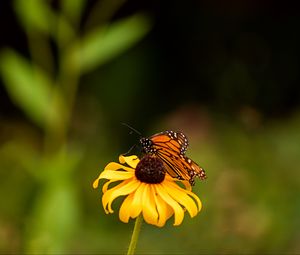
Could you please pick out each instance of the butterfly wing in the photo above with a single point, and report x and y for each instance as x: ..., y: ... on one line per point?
x: 194, y: 169
x: 171, y: 146
x: 173, y: 165
x: 170, y: 140
x: 181, y: 167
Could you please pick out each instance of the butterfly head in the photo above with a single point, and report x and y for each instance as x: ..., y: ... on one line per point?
x: 147, y: 145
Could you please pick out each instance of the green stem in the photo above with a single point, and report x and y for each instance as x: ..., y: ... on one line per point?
x: 135, y: 235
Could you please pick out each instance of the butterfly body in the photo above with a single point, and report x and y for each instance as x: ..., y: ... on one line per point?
x: 170, y: 147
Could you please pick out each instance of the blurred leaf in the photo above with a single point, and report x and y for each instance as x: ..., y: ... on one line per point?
x: 55, y: 215
x: 102, y: 45
x: 57, y: 167
x: 28, y: 86
x: 63, y: 33
x: 54, y: 219
x: 35, y: 14
x: 73, y: 8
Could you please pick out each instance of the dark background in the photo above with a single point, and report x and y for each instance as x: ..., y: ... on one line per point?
x: 221, y: 55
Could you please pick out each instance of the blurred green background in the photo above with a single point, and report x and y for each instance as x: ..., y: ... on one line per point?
x: 224, y: 73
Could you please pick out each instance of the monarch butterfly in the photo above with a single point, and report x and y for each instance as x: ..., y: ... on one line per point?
x: 170, y: 147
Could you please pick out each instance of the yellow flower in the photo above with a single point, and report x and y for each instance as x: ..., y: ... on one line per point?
x: 149, y: 191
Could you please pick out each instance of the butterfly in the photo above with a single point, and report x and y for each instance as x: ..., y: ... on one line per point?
x: 170, y: 147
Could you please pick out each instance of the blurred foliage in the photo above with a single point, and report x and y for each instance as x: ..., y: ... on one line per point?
x: 87, y: 67
x: 47, y: 97
x: 251, y: 196
x: 30, y: 89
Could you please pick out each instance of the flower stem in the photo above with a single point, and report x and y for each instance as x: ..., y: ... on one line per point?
x: 135, y: 235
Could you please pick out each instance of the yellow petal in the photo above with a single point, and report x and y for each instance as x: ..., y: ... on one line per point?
x: 122, y: 189
x: 163, y: 209
x: 178, y: 211
x: 116, y: 175
x: 124, y: 213
x: 181, y: 197
x: 105, y: 185
x: 149, y: 207
x: 116, y: 166
x: 170, y: 178
x: 169, y: 211
x: 112, y: 175
x: 187, y: 185
x: 137, y: 203
x: 196, y: 198
x: 132, y: 161
x: 96, y: 183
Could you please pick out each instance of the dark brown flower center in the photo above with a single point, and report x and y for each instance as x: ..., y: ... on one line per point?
x: 150, y: 170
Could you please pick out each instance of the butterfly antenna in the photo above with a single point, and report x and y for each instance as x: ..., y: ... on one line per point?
x: 132, y: 147
x: 132, y: 129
